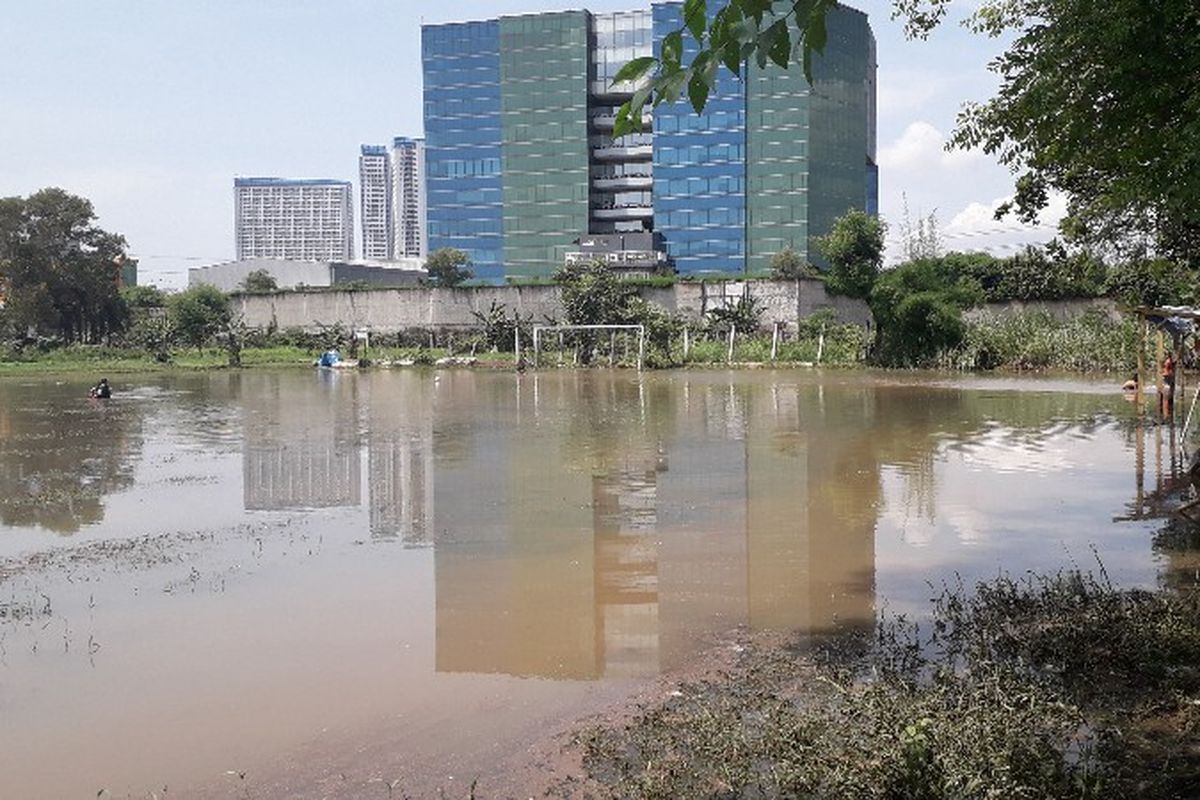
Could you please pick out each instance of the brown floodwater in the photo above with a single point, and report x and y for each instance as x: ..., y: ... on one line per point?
x: 214, y: 581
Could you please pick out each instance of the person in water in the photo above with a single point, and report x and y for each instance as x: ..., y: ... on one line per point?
x: 1130, y: 385
x: 101, y: 390
x: 1167, y: 401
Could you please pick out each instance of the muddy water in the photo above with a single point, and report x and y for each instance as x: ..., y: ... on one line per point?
x: 300, y: 584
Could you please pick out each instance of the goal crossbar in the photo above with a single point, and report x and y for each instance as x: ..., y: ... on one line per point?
x: 537, y: 337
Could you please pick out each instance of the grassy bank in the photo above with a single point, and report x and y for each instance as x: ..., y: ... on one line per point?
x: 1054, y: 687
x: 1023, y: 342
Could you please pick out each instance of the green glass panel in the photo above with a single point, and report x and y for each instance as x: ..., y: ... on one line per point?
x: 543, y: 101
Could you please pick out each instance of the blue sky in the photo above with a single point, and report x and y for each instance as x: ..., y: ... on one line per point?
x: 151, y: 108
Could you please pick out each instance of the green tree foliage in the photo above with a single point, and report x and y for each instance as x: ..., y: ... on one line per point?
x: 199, y: 314
x: 1099, y: 101
x: 1150, y: 282
x: 60, y: 273
x: 788, y: 265
x: 141, y: 297
x: 448, y: 266
x: 592, y: 294
x: 260, y: 281
x: 1035, y: 273
x: 854, y: 249
x: 918, y: 311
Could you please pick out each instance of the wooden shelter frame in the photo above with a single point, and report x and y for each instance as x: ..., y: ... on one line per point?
x: 1144, y: 314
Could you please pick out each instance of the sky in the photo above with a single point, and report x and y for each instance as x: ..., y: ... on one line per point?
x: 150, y: 109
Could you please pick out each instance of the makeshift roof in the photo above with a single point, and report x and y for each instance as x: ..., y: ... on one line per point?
x: 1179, y: 320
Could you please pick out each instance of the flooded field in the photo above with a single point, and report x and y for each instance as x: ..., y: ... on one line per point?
x: 303, y: 584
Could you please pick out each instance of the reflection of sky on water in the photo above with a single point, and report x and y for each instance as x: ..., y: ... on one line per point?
x: 1017, y: 500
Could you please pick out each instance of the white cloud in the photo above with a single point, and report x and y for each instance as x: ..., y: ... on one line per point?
x: 923, y: 147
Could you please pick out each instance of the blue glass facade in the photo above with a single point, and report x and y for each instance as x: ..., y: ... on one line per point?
x: 520, y: 160
x: 700, y: 169
x: 462, y: 142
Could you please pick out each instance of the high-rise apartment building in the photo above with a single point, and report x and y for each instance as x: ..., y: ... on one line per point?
x: 408, y: 197
x: 304, y: 220
x: 375, y: 199
x: 521, y: 162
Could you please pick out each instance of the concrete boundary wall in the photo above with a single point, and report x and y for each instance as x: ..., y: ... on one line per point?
x: 392, y: 310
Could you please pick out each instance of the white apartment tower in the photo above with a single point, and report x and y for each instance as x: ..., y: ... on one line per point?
x: 375, y: 196
x: 408, y: 197
x: 302, y: 220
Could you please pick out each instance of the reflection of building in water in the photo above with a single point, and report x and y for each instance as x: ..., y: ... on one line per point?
x: 400, y: 457
x: 567, y: 546
x: 812, y: 488
x: 303, y: 474
x: 301, y: 449
x: 400, y: 487
x: 625, y: 524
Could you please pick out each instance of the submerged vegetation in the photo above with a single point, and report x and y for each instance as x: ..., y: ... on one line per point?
x: 1049, y: 687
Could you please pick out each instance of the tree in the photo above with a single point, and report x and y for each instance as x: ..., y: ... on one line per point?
x: 1099, y: 101
x: 448, y: 266
x: 142, y: 297
x: 592, y: 294
x: 854, y: 249
x: 788, y: 265
x: 918, y: 311
x: 199, y: 313
x: 59, y: 272
x: 260, y: 281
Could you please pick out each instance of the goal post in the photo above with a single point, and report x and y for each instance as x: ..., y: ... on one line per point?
x: 639, y: 329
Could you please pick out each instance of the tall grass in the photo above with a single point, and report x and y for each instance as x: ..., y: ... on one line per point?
x: 1035, y: 341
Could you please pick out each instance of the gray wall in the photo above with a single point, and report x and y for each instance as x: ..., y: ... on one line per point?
x: 391, y: 310
x: 228, y: 277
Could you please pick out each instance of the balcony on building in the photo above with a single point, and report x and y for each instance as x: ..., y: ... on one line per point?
x: 624, y: 212
x: 629, y: 254
x: 604, y: 121
x: 617, y: 152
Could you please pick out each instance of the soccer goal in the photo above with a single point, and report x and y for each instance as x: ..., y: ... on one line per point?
x: 616, y: 346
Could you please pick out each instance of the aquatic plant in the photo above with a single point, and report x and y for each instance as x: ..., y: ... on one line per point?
x: 1047, y: 687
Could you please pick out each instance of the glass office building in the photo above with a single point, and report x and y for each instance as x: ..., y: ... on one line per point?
x: 521, y: 161
x: 462, y: 142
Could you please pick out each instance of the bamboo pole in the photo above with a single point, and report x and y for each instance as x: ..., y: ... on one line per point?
x: 1141, y: 364
x: 1158, y: 383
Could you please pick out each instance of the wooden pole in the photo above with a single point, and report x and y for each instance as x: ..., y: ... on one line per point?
x: 775, y: 341
x: 687, y: 345
x: 1158, y: 359
x: 1141, y: 364
x: 732, y: 334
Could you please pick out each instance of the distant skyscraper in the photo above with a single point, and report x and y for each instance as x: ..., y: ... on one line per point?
x: 408, y: 196
x: 305, y: 220
x: 375, y: 197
